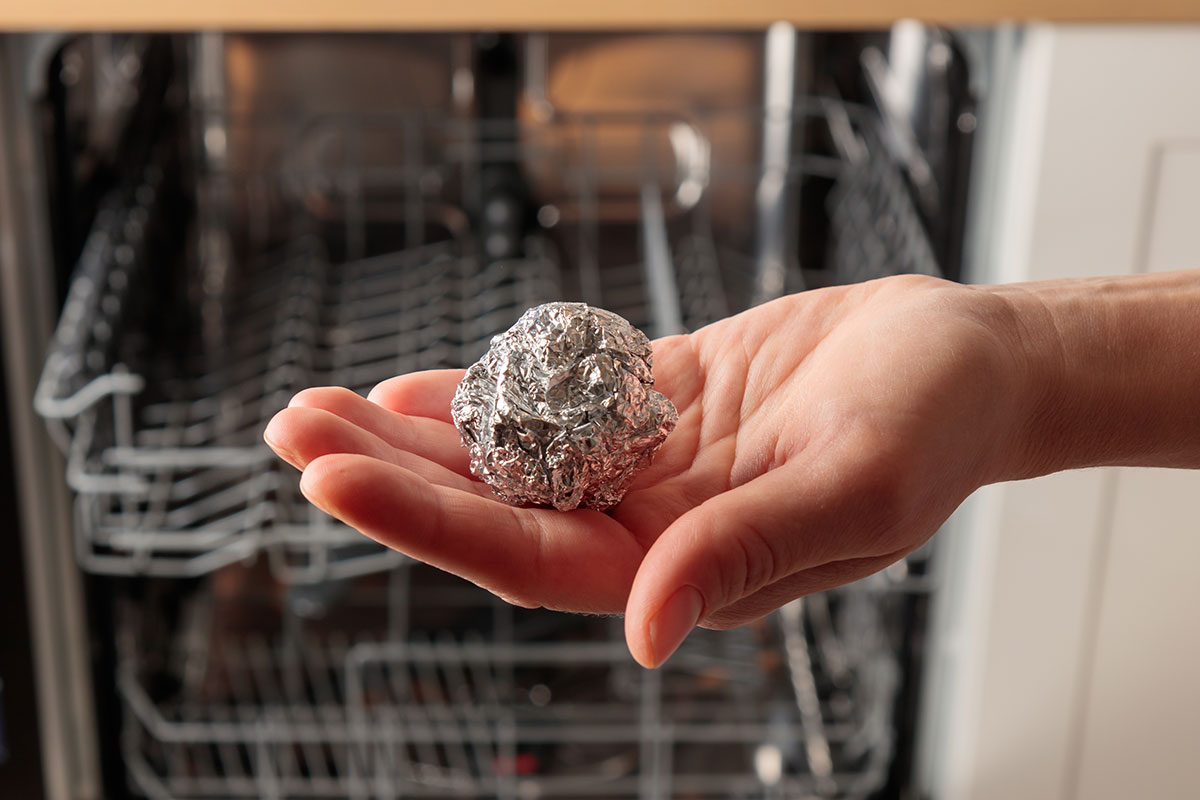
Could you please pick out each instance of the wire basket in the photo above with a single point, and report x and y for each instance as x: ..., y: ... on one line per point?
x: 482, y: 700
x: 356, y: 248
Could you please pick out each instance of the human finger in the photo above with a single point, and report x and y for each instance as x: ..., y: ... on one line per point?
x: 425, y: 436
x: 785, y: 590
x: 790, y: 519
x: 573, y: 561
x: 419, y: 394
x: 301, y: 435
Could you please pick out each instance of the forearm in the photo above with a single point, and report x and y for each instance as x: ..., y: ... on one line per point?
x: 1114, y: 371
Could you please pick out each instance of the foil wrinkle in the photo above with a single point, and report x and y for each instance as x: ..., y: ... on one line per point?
x: 561, y: 411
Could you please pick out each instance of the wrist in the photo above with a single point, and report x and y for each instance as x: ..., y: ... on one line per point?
x: 1037, y: 431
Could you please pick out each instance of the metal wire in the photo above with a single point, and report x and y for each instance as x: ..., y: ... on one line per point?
x: 487, y: 711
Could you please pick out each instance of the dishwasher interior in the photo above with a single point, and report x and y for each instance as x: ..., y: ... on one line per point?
x: 271, y: 212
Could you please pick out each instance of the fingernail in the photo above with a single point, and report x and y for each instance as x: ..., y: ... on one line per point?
x: 283, y: 452
x: 307, y: 496
x: 673, y: 622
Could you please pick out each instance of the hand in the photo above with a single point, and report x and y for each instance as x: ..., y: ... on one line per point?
x: 821, y: 437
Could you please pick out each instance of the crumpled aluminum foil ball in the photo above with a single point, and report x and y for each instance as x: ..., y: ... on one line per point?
x: 561, y: 411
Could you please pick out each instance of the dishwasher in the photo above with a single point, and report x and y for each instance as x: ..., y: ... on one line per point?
x: 231, y: 218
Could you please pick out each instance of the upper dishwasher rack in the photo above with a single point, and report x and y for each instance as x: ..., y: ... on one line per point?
x: 351, y: 250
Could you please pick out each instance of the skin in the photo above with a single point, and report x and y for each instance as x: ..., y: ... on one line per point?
x: 821, y: 437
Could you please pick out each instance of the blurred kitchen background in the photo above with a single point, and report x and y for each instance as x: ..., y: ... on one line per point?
x: 195, y: 225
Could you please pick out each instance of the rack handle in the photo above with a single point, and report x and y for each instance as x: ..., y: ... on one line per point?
x: 105, y: 262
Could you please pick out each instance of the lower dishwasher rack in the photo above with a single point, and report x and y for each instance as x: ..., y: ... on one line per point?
x: 439, y: 690
x: 288, y: 283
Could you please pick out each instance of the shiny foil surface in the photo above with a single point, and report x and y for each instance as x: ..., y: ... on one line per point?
x: 561, y: 411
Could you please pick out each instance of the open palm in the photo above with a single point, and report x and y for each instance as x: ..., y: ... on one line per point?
x: 820, y: 438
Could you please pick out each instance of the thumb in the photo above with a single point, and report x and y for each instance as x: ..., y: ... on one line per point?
x: 735, y: 544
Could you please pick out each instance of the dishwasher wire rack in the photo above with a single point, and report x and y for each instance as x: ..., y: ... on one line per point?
x: 161, y: 418
x: 799, y: 707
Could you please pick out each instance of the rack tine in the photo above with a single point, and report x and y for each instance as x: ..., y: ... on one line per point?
x: 298, y: 706
x: 829, y: 646
x: 771, y: 198
x: 231, y: 754
x: 816, y: 743
x: 666, y: 317
x: 437, y: 711
x: 400, y: 699
x: 465, y: 702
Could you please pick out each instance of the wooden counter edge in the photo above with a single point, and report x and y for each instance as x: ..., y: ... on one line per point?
x: 561, y: 14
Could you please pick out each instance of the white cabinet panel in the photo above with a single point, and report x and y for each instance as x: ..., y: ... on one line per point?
x: 1173, y: 229
x: 1066, y: 663
x: 1117, y: 97
x: 1036, y: 637
x: 1141, y: 720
